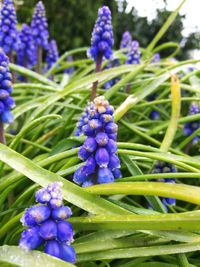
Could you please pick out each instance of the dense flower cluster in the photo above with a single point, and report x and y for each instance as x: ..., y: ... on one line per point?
x: 26, y: 54
x: 126, y: 40
x: 9, y: 39
x: 52, y: 54
x: 156, y: 58
x: 100, y: 148
x: 113, y: 63
x: 192, y: 126
x: 165, y: 167
x: 133, y: 56
x: 102, y: 36
x: 39, y: 26
x: 6, y: 101
x: 47, y: 224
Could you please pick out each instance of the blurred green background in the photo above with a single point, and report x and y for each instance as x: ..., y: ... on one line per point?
x: 71, y: 23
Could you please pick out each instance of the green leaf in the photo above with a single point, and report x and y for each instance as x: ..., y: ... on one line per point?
x: 131, y: 165
x: 71, y: 192
x: 21, y: 258
x: 165, y: 27
x: 181, y: 221
x: 139, y: 252
x: 63, y: 145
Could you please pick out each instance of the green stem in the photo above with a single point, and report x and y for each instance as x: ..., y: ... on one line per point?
x: 2, y: 134
x: 155, y: 176
x: 95, y: 84
x: 182, y: 260
x: 183, y: 192
x: 39, y: 60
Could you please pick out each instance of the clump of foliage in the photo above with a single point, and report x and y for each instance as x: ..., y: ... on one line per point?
x: 149, y: 215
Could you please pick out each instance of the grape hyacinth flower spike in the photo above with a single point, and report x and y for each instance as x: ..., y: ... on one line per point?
x: 133, y: 56
x: 165, y: 167
x: 99, y: 150
x: 9, y: 36
x: 26, y: 54
x: 6, y: 101
x: 47, y: 224
x: 52, y: 54
x: 102, y: 41
x: 156, y: 58
x: 40, y: 32
x: 71, y: 69
x: 126, y: 41
x: 192, y: 126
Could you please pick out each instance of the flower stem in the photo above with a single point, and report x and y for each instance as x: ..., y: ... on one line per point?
x: 11, y: 59
x: 98, y: 68
x: 39, y: 60
x: 2, y: 135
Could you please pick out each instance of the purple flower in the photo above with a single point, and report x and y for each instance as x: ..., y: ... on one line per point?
x: 102, y: 36
x: 52, y: 54
x: 47, y: 224
x: 156, y: 58
x: 61, y: 213
x: 126, y: 40
x: 30, y: 238
x: 35, y: 215
x: 59, y: 250
x: 154, y: 115
x: 6, y: 101
x: 165, y: 167
x: 191, y: 126
x: 9, y: 37
x: 102, y: 165
x: 48, y: 230
x: 65, y: 232
x: 133, y: 55
x: 39, y: 26
x: 26, y: 53
x: 71, y: 69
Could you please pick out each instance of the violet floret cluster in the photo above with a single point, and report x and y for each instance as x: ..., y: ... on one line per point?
x: 27, y: 53
x: 9, y: 36
x: 102, y: 39
x: 39, y: 26
x: 6, y: 101
x: 165, y: 167
x: 191, y: 126
x: 126, y: 40
x: 99, y: 150
x: 52, y: 54
x: 133, y: 56
x: 47, y: 224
